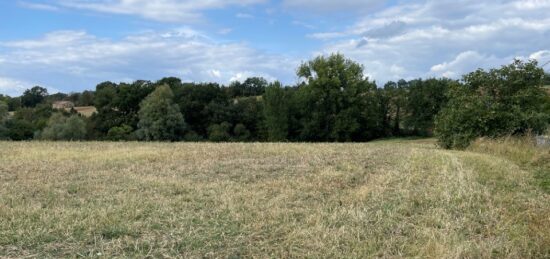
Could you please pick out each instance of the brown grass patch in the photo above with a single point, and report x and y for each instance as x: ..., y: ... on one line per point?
x: 382, y: 199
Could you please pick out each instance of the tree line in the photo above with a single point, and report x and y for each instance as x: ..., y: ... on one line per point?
x: 334, y: 102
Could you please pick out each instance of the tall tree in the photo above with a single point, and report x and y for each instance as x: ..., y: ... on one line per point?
x: 425, y: 99
x: 34, y: 96
x: 333, y: 98
x: 276, y: 115
x: 159, y: 117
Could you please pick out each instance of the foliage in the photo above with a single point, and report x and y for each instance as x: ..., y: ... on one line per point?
x: 34, y: 96
x: 334, y: 99
x: 61, y: 127
x: 38, y: 116
x: 19, y: 129
x: 241, y: 133
x: 119, y: 133
x: 425, y: 99
x: 276, y: 112
x: 219, y: 132
x: 254, y: 86
x: 494, y: 103
x: 159, y: 117
x: 3, y: 119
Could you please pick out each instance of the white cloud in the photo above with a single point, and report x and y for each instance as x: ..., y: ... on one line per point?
x: 38, y: 6
x: 159, y: 10
x: 443, y: 37
x: 15, y: 87
x: 325, y: 6
x: 542, y: 56
x: 244, y: 16
x: 464, y: 62
x: 74, y: 60
x: 215, y: 73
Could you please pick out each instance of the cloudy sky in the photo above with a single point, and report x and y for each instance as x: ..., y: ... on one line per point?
x: 71, y: 45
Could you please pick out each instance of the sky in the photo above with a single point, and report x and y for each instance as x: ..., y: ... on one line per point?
x: 72, y: 45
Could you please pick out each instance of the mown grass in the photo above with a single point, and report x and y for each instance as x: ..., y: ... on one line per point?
x: 397, y: 198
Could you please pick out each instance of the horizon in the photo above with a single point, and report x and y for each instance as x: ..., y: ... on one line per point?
x: 72, y: 45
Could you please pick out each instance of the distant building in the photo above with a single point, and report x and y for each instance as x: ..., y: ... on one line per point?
x: 63, y: 105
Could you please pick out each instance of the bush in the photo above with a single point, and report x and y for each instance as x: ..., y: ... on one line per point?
x: 219, y: 132
x: 19, y: 129
x: 119, y: 133
x: 241, y: 133
x: 192, y: 137
x: 64, y: 128
x: 505, y: 101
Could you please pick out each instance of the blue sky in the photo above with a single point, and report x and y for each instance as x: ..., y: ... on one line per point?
x: 71, y: 45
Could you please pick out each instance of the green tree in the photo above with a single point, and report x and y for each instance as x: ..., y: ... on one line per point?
x: 3, y: 111
x: 37, y: 117
x: 19, y: 129
x: 14, y: 103
x: 241, y: 133
x: 396, y: 97
x: 159, y: 117
x: 3, y: 119
x: 34, y: 96
x: 276, y: 112
x: 219, y: 132
x: 509, y: 100
x: 425, y: 99
x: 202, y: 106
x: 334, y: 99
x: 85, y: 99
x: 61, y: 127
x: 119, y: 133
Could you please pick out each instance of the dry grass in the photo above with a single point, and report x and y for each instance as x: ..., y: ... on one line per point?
x: 86, y: 111
x: 383, y: 199
x: 523, y: 152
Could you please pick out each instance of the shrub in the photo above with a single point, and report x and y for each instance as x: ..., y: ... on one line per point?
x: 19, y: 129
x: 505, y: 101
x: 64, y: 128
x: 219, y: 132
x: 241, y: 133
x: 123, y: 132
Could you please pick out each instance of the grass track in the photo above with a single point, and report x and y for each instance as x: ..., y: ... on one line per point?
x: 396, y: 198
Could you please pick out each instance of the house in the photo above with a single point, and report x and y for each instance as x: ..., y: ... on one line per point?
x: 63, y: 105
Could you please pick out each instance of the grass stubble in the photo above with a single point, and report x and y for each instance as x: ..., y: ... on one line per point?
x: 381, y: 199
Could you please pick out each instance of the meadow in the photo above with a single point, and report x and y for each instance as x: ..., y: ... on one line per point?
x: 393, y: 198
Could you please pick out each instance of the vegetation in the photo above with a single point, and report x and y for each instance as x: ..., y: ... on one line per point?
x: 159, y: 117
x: 523, y: 152
x: 495, y: 103
x: 334, y: 102
x: 381, y: 199
x: 61, y: 127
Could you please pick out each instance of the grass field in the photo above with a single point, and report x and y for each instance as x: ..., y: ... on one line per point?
x: 398, y: 198
x: 86, y: 111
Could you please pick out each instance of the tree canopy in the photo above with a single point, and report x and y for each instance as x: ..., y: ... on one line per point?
x: 332, y: 102
x: 159, y: 117
x: 493, y: 103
